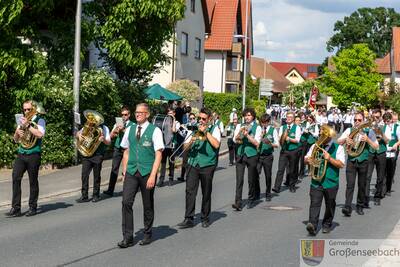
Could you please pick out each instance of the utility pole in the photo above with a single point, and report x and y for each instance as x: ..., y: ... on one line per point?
x: 245, y: 56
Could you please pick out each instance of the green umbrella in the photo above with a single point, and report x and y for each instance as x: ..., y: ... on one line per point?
x: 158, y: 92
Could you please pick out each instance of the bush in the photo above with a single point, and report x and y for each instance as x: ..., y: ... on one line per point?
x: 259, y: 106
x: 223, y: 103
x: 188, y: 90
x: 7, y: 149
x: 394, y: 102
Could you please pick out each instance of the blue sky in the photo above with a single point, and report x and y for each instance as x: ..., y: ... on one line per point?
x: 297, y: 30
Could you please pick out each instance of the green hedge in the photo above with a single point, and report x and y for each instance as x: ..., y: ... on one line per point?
x: 7, y: 149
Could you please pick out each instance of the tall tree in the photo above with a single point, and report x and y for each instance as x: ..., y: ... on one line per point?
x: 353, y: 77
x: 372, y: 26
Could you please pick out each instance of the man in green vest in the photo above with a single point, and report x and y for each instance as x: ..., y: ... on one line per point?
x: 289, y: 135
x: 230, y: 130
x: 392, y: 131
x: 357, y: 166
x: 118, y: 132
x: 327, y: 187
x: 377, y: 158
x: 247, y: 137
x: 269, y: 141
x: 143, y: 144
x: 95, y: 163
x: 202, y: 162
x: 28, y: 159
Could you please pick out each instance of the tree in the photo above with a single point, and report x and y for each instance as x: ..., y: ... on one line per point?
x: 132, y: 34
x: 252, y: 87
x: 372, y: 26
x: 354, y: 77
x: 188, y: 90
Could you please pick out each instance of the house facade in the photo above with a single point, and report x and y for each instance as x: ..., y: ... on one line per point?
x: 297, y: 73
x: 224, y: 46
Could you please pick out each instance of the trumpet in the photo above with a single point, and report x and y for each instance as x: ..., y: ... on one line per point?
x: 240, y: 136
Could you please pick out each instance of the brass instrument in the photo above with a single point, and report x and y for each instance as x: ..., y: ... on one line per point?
x: 355, y: 149
x: 284, y: 135
x: 28, y: 140
x: 377, y: 130
x: 91, y: 133
x: 240, y: 136
x: 317, y: 162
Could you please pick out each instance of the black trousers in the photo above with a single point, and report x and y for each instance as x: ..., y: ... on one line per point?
x: 116, y: 163
x: 241, y: 163
x: 22, y: 163
x: 185, y: 157
x: 304, y: 150
x: 166, y: 155
x: 346, y: 125
x: 132, y: 184
x: 195, y: 176
x: 286, y: 158
x: 232, y: 150
x: 88, y: 164
x: 390, y: 171
x: 354, y: 169
x: 265, y: 162
x: 377, y: 161
x: 316, y: 196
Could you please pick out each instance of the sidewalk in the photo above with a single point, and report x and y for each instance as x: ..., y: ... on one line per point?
x: 62, y: 182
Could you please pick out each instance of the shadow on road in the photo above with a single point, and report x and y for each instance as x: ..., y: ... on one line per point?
x: 53, y: 206
x: 159, y: 232
x: 334, y: 225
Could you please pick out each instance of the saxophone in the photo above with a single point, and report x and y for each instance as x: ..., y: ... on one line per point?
x: 91, y: 133
x: 28, y: 140
x: 355, y: 149
x: 317, y: 162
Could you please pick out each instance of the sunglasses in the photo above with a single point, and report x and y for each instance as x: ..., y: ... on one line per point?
x: 140, y: 112
x: 358, y: 120
x: 202, y: 118
x: 125, y: 114
x: 27, y: 109
x: 192, y: 118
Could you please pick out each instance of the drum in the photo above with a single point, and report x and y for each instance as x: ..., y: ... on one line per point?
x: 165, y: 122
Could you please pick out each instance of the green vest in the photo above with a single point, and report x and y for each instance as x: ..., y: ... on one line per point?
x: 141, y: 153
x: 118, y: 140
x: 364, y: 154
x: 203, y: 153
x: 304, y: 136
x: 292, y: 134
x: 393, y: 137
x: 382, y: 146
x: 37, y: 147
x: 246, y: 147
x: 331, y: 178
x: 266, y: 149
x: 311, y: 139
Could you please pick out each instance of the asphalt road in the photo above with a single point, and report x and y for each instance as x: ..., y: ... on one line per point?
x: 69, y: 234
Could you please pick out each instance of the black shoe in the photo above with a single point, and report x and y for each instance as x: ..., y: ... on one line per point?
x: 292, y: 189
x: 145, y: 241
x: 96, y: 198
x: 388, y: 194
x: 326, y: 229
x: 366, y: 206
x: 377, y: 201
x: 31, y: 212
x: 205, y: 224
x: 14, y: 212
x: 276, y: 190
x: 286, y: 183
x: 251, y: 204
x: 360, y: 211
x: 108, y: 193
x: 181, y: 179
x: 311, y: 229
x: 230, y: 164
x: 346, y: 212
x: 268, y: 198
x: 82, y: 200
x: 237, y: 207
x: 125, y: 243
x: 160, y: 183
x: 187, y: 223
x: 170, y: 182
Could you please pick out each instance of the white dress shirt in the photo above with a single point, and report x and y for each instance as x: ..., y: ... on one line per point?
x: 41, y: 124
x: 216, y: 133
x: 340, y: 155
x: 157, y: 138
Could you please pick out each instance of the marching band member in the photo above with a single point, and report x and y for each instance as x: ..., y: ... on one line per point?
x: 326, y: 188
x: 218, y: 122
x: 269, y: 141
x: 202, y: 161
x: 357, y: 166
x: 117, y: 132
x: 189, y: 127
x: 298, y: 121
x: 230, y: 130
x: 289, y: 135
x: 247, y: 137
x: 311, y: 133
x: 93, y: 162
x: 143, y: 143
x: 392, y: 131
x: 377, y: 158
x: 168, y: 151
x: 28, y: 159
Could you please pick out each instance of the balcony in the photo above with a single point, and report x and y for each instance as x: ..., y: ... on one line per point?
x: 233, y: 76
x: 237, y: 48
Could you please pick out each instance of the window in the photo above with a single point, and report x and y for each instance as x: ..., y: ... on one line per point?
x: 184, y: 43
x: 193, y: 6
x: 313, y: 69
x: 197, y: 48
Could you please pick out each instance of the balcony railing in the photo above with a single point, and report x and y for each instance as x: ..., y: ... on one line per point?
x: 233, y: 76
x: 237, y: 48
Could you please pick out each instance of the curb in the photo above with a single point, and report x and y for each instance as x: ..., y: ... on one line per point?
x: 7, y: 204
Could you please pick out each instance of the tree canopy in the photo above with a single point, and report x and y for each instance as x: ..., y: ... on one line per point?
x: 353, y: 77
x: 372, y: 26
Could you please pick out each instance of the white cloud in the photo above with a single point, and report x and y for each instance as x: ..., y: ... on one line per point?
x: 259, y: 29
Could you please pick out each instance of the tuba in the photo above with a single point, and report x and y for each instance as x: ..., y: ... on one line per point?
x: 91, y: 132
x: 317, y: 162
x: 28, y: 140
x: 357, y: 147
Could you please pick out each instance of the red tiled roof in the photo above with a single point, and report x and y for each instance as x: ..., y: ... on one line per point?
x: 210, y: 8
x: 383, y: 64
x: 257, y: 70
x: 396, y: 47
x: 302, y: 68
